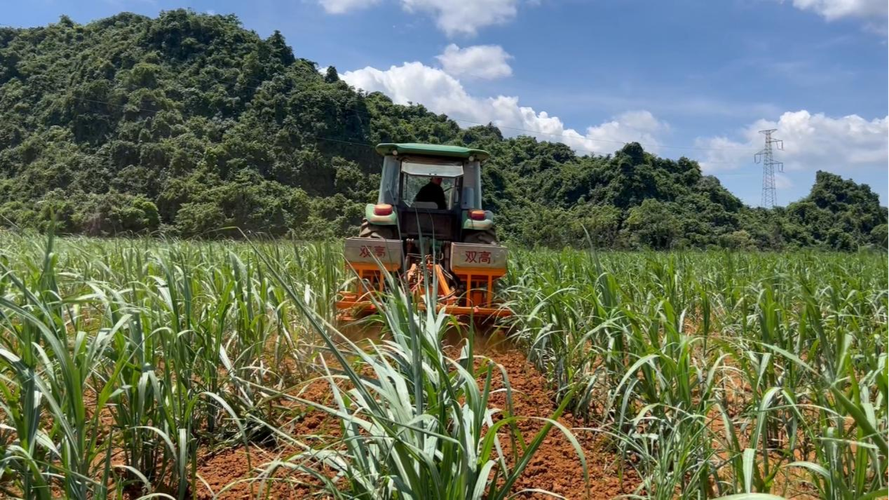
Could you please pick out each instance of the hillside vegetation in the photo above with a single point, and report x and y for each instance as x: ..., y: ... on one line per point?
x: 189, y: 123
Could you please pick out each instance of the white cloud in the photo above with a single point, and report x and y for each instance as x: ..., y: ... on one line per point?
x: 782, y: 181
x: 442, y: 93
x: 837, y: 9
x: 343, y: 6
x: 873, y: 12
x: 451, y: 16
x: 465, y: 16
x: 811, y: 142
x: 487, y: 62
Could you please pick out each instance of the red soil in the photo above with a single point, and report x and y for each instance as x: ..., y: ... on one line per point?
x: 555, y: 467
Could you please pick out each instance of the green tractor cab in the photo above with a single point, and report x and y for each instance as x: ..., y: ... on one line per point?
x: 407, y: 169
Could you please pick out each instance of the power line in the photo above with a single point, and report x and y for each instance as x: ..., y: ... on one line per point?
x: 769, y: 197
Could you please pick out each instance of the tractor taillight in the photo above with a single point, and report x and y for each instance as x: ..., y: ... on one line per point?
x: 477, y: 214
x: 383, y: 209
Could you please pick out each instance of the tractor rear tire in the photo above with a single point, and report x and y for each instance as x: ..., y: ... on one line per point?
x: 485, y: 237
x: 374, y: 231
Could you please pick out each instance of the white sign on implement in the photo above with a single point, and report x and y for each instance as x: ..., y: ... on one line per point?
x: 372, y: 250
x: 469, y: 255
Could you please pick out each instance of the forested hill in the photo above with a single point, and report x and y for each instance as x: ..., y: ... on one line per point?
x: 188, y: 123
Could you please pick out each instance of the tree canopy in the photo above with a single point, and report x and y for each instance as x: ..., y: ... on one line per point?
x: 188, y: 124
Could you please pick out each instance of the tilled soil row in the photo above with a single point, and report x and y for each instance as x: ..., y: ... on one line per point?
x: 555, y: 467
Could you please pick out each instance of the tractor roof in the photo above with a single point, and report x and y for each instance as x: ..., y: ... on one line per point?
x: 410, y: 148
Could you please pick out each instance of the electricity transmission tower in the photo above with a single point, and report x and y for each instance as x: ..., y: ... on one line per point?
x: 769, y: 199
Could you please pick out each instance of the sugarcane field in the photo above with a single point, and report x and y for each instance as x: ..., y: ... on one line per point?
x: 508, y: 250
x: 219, y: 370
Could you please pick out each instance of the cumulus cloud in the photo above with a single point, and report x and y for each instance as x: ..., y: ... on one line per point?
x: 811, y: 142
x: 487, y: 62
x: 873, y: 12
x: 465, y: 16
x: 837, y: 9
x: 782, y: 181
x: 343, y: 6
x: 417, y: 83
x: 451, y: 16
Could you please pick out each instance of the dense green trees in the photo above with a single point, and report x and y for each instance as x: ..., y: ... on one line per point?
x: 190, y: 125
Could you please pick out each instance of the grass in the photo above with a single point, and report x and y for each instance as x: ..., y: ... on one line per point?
x: 710, y: 374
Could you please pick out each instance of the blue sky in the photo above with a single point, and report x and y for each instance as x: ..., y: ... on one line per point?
x: 685, y: 78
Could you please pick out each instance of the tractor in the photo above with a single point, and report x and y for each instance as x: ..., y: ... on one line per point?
x: 428, y: 229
